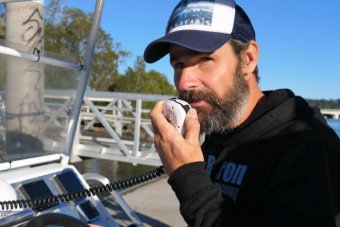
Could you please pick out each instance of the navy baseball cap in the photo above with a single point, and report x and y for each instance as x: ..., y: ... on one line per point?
x: 203, y: 26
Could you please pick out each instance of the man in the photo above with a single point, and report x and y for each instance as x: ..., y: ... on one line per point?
x: 268, y: 159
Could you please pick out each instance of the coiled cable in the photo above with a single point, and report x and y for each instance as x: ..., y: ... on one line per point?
x: 37, y: 203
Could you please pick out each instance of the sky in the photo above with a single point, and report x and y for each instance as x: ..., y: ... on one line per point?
x: 299, y: 40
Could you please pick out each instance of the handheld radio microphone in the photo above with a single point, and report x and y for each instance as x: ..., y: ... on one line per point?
x: 175, y: 111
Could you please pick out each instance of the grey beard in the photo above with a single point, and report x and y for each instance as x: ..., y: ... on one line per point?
x: 224, y: 114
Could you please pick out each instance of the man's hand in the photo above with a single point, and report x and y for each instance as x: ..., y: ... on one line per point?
x: 174, y: 149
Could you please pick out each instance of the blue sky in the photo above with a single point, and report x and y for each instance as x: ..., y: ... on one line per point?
x: 299, y: 40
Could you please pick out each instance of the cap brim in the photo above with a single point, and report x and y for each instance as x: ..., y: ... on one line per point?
x: 195, y: 40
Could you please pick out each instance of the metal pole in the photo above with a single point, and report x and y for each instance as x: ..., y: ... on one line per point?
x: 84, y: 78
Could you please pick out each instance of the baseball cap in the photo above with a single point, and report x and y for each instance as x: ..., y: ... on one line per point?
x: 203, y: 26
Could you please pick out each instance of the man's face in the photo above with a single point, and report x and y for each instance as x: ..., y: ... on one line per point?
x: 213, y: 84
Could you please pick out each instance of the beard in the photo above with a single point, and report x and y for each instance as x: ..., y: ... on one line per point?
x: 221, y: 114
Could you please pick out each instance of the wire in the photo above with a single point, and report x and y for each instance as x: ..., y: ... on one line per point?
x: 38, y: 203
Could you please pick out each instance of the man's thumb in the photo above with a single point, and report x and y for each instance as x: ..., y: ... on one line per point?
x: 192, y: 125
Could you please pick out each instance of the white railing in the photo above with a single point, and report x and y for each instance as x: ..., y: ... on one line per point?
x: 116, y: 126
x: 113, y: 126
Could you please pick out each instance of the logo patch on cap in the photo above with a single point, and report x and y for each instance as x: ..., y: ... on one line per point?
x: 208, y: 15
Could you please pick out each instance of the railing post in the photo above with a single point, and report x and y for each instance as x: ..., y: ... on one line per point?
x: 138, y: 118
x: 107, y: 126
x: 118, y: 122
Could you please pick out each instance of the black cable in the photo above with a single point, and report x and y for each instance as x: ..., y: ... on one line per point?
x: 37, y: 203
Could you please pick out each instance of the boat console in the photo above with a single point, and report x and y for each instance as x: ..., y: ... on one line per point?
x: 42, y: 182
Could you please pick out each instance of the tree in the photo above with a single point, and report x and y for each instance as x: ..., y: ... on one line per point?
x: 325, y: 104
x: 139, y: 81
x: 2, y: 21
x: 66, y: 32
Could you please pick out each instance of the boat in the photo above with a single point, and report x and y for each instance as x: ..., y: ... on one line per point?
x: 38, y: 120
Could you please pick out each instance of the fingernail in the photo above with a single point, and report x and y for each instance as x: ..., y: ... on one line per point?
x: 192, y: 113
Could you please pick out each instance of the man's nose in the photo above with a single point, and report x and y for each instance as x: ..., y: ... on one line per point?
x: 188, y: 79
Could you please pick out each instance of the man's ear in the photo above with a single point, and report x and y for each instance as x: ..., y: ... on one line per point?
x: 250, y: 58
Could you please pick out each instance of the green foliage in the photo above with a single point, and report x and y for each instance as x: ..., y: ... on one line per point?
x: 137, y: 80
x: 65, y: 33
x: 2, y: 21
x: 325, y: 104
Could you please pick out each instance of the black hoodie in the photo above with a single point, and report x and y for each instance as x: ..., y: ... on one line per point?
x: 281, y: 167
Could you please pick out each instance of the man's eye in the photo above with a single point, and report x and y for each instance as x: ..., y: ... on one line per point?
x: 178, y: 65
x: 206, y: 59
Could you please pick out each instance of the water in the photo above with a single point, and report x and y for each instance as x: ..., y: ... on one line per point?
x: 335, y: 124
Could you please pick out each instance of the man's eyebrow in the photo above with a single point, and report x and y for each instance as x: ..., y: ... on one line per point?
x: 187, y: 53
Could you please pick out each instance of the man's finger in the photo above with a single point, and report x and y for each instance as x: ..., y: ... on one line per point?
x: 192, y: 125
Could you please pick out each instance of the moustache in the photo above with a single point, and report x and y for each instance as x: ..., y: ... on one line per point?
x: 194, y: 96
